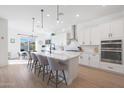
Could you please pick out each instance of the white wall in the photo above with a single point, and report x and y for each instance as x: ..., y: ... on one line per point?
x: 60, y: 39
x: 13, y: 48
x: 3, y: 42
x: 40, y: 40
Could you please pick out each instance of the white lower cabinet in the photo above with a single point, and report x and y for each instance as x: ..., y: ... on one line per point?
x: 84, y: 59
x: 94, y: 61
x: 89, y: 60
x: 112, y: 67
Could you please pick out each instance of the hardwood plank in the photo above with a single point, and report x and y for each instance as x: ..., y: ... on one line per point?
x: 15, y: 76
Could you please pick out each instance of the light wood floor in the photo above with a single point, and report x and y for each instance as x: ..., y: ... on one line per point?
x: 19, y: 76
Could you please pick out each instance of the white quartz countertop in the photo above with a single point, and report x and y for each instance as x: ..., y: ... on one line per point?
x: 61, y: 55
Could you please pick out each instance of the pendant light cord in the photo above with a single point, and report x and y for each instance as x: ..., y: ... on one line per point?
x: 57, y: 12
x: 33, y: 19
x: 42, y: 17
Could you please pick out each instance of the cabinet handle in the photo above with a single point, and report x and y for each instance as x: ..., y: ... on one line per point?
x: 90, y: 42
x: 81, y: 57
x: 111, y: 34
x: 89, y: 58
x: 110, y: 67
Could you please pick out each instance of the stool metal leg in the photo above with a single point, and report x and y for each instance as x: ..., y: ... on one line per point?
x: 49, y: 77
x: 32, y: 65
x: 28, y: 63
x: 43, y: 72
x: 39, y: 70
x: 56, y: 78
x: 35, y: 66
x: 64, y: 77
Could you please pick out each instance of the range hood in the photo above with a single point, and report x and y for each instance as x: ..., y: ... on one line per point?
x: 74, y: 45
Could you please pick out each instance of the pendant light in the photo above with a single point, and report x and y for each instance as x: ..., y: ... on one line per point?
x: 42, y: 24
x: 33, y: 19
x: 57, y: 13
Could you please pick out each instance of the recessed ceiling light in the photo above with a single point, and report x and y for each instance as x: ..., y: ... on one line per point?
x: 57, y: 21
x: 77, y: 15
x: 48, y: 14
x: 61, y: 21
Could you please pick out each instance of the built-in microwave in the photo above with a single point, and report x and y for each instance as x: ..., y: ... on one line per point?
x: 111, y: 51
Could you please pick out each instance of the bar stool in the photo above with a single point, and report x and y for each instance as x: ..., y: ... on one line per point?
x: 35, y: 64
x: 56, y: 66
x: 29, y: 60
x: 43, y: 65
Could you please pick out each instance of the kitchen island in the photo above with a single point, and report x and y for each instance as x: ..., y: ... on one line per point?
x: 70, y: 59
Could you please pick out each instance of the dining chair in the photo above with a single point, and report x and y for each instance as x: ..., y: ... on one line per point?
x: 56, y: 66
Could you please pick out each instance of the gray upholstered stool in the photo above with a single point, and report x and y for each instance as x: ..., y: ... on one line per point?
x: 29, y: 59
x: 56, y: 66
x: 35, y: 63
x: 43, y: 64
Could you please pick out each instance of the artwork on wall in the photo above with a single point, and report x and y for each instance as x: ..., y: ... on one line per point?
x: 12, y: 40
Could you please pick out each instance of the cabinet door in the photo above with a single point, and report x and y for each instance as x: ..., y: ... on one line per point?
x: 95, y: 36
x: 80, y: 34
x: 80, y: 37
x: 104, y: 31
x: 117, y: 28
x: 86, y: 35
x: 94, y: 60
x: 84, y: 59
x: 112, y: 67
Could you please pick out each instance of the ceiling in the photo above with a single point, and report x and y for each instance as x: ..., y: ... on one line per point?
x: 20, y: 16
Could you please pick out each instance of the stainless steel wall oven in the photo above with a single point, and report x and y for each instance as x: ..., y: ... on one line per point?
x: 111, y: 51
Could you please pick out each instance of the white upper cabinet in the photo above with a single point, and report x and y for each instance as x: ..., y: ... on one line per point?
x: 86, y: 36
x: 114, y: 29
x: 105, y: 30
x: 117, y: 28
x: 95, y: 36
x: 80, y: 37
x: 89, y: 36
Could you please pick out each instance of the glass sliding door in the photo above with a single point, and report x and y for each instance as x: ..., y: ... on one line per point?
x: 27, y: 44
x: 31, y: 44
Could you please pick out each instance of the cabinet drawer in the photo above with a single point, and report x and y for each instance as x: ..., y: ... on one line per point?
x: 112, y: 67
